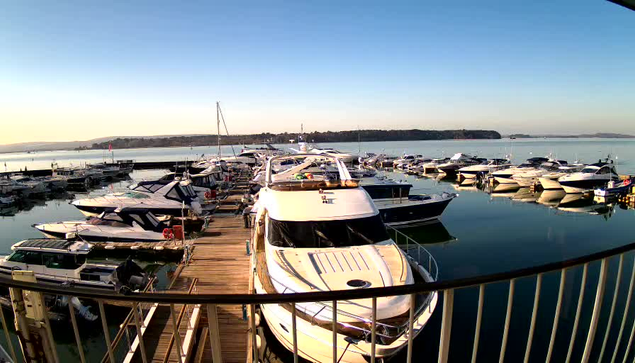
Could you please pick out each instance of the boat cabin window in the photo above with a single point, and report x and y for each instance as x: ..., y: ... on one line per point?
x: 589, y: 170
x: 173, y: 194
x: 321, y: 234
x: 51, y: 260
x: 149, y: 187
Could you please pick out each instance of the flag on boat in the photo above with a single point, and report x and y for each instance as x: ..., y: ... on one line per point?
x: 109, y: 147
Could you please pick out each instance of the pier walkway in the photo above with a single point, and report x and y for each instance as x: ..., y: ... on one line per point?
x: 219, y: 265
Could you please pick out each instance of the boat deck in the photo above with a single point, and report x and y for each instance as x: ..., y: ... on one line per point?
x: 220, y: 265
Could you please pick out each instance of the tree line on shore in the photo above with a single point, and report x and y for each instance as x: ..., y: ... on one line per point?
x: 283, y: 138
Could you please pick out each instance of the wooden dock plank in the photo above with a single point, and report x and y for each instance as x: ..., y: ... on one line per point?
x: 221, y: 265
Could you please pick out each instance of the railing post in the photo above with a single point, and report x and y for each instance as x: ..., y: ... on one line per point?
x: 585, y: 271
x: 508, y: 317
x: 142, y: 347
x: 78, y: 339
x: 597, y: 307
x: 613, y: 303
x: 556, y: 319
x: 334, y: 328
x: 8, y: 337
x: 254, y: 340
x: 446, y: 325
x: 294, y: 332
x: 479, y: 318
x: 411, y: 318
x: 373, y: 329
x: 104, y: 325
x: 214, y: 334
x: 177, y: 334
x: 625, y: 314
x: 534, y: 314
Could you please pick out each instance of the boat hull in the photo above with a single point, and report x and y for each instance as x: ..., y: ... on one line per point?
x: 550, y: 184
x: 395, y: 213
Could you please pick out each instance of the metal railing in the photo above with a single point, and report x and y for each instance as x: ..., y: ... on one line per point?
x: 616, y: 341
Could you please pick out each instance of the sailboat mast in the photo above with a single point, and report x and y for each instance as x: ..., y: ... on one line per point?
x: 218, y: 126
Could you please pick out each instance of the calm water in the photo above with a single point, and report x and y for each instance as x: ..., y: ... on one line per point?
x: 480, y: 233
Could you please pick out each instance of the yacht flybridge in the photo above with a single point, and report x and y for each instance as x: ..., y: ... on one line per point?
x: 170, y: 199
x: 317, y: 230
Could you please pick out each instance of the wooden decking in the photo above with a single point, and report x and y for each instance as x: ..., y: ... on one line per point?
x: 220, y: 265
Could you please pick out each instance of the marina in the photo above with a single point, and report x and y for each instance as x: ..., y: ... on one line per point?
x: 217, y: 257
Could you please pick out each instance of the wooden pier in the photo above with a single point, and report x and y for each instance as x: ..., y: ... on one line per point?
x: 219, y: 265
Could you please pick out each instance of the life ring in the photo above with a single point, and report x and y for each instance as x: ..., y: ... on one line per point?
x: 168, y: 233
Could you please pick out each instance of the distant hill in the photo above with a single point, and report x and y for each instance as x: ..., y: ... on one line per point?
x: 598, y: 135
x: 283, y: 138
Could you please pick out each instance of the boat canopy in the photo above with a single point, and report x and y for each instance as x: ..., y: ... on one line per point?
x: 309, y: 205
x: 52, y: 245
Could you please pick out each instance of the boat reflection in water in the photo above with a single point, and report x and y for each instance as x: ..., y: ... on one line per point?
x: 578, y: 203
x: 525, y: 195
x: 429, y: 233
x: 551, y: 198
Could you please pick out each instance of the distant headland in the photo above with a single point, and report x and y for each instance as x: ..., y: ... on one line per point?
x: 597, y: 135
x: 284, y: 138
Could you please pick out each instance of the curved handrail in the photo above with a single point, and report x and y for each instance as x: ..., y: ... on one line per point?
x: 229, y: 299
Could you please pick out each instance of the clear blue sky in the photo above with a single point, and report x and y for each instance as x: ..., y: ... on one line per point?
x: 72, y: 70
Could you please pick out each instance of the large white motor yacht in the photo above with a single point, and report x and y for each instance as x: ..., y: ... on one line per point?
x: 171, y: 199
x: 322, y: 232
x: 591, y: 177
x: 484, y: 168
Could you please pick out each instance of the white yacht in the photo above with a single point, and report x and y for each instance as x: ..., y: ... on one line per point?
x: 504, y: 176
x: 591, y: 177
x: 64, y: 262
x: 484, y: 168
x: 549, y: 181
x: 431, y: 167
x: 322, y: 232
x: 161, y: 199
x: 345, y: 157
x: 121, y: 225
x: 456, y: 162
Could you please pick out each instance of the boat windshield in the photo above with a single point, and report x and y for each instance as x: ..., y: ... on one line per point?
x: 589, y: 170
x: 321, y: 234
x: 134, y: 195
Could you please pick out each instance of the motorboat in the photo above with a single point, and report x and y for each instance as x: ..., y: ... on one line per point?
x: 29, y: 186
x: 482, y: 169
x: 532, y: 177
x: 591, y: 177
x: 431, y: 167
x: 121, y: 225
x: 457, y: 162
x: 172, y: 199
x: 307, y: 221
x: 63, y: 262
x: 398, y: 207
x: 345, y: 157
x: 405, y: 160
x: 549, y: 181
x: 614, y: 189
x: 504, y: 176
x: 80, y: 178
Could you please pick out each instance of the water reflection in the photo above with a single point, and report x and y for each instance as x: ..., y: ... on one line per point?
x: 430, y: 233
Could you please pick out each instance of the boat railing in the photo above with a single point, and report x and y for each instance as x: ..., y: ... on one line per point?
x: 413, y: 249
x: 367, y: 332
x: 600, y: 330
